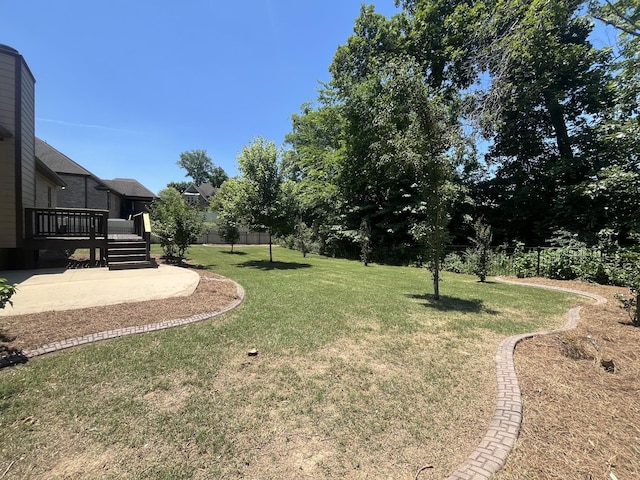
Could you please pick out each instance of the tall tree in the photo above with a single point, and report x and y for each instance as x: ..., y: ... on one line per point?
x: 201, y: 169
x: 546, y: 90
x: 387, y: 87
x: 312, y: 161
x: 621, y: 14
x: 610, y: 197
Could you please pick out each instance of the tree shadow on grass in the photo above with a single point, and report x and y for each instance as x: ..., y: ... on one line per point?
x: 266, y: 265
x: 235, y: 252
x: 188, y: 264
x: 453, y: 304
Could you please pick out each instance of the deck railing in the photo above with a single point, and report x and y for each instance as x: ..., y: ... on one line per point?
x: 66, y: 223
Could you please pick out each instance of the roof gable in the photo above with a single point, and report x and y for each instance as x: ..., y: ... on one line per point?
x: 206, y: 190
x: 129, y: 187
x: 58, y: 161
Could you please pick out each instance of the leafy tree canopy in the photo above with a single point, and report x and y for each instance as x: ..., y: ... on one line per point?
x: 201, y: 169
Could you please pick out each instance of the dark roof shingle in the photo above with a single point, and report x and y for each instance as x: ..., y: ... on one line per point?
x: 129, y: 187
x: 58, y: 161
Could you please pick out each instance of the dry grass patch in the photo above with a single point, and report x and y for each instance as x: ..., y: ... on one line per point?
x: 370, y: 406
x: 580, y: 420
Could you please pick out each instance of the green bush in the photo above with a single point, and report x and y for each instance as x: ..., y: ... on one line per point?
x: 6, y: 292
x: 177, y: 224
x: 454, y: 262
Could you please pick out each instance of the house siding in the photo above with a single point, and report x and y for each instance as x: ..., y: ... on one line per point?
x: 115, y: 205
x: 43, y: 187
x: 27, y: 129
x: 7, y: 152
x: 96, y: 198
x: 81, y: 192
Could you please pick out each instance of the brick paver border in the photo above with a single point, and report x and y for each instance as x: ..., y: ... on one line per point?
x: 121, y: 332
x: 491, y: 454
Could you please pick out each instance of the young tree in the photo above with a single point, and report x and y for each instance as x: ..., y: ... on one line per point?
x: 229, y: 203
x: 268, y: 203
x: 201, y: 169
x: 482, y: 245
x: 229, y: 231
x: 303, y: 237
x: 176, y: 223
x: 364, y: 239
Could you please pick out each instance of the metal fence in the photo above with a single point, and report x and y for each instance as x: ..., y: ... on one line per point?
x: 531, y: 261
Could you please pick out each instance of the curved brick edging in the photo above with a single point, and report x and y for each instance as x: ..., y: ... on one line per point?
x: 491, y: 454
x: 121, y: 332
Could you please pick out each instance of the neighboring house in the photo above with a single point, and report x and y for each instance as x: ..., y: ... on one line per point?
x: 83, y: 189
x: 47, y: 200
x: 199, y: 195
x: 123, y: 197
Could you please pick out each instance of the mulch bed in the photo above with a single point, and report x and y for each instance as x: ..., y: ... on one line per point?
x: 19, y: 332
x: 580, y: 396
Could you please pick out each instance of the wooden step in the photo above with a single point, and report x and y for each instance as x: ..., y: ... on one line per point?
x: 128, y: 254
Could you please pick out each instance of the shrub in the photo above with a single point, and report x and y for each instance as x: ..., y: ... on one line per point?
x: 453, y: 262
x: 177, y: 224
x: 303, y: 238
x: 6, y: 292
x: 482, y: 249
x: 523, y: 262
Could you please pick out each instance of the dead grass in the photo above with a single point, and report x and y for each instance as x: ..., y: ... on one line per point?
x: 580, y: 420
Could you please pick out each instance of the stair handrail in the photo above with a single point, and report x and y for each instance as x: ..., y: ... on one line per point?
x: 142, y: 225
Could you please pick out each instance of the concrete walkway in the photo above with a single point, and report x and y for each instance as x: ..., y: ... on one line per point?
x: 60, y: 289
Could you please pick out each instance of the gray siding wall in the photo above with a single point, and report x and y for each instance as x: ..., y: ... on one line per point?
x: 96, y: 198
x: 7, y: 153
x: 43, y: 186
x: 28, y: 139
x: 81, y: 193
x: 116, y: 203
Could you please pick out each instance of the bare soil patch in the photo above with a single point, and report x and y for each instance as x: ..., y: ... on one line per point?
x: 19, y: 332
x: 581, y: 416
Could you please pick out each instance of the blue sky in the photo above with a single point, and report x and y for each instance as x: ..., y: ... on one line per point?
x: 124, y: 86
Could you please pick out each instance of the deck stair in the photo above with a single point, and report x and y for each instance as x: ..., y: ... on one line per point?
x: 128, y: 252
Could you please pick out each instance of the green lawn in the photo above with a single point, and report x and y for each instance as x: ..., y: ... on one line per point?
x: 359, y: 375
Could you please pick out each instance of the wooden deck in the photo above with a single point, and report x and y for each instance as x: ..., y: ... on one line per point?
x: 70, y: 229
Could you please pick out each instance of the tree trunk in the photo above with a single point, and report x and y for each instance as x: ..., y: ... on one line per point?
x: 270, y: 249
x: 556, y: 112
